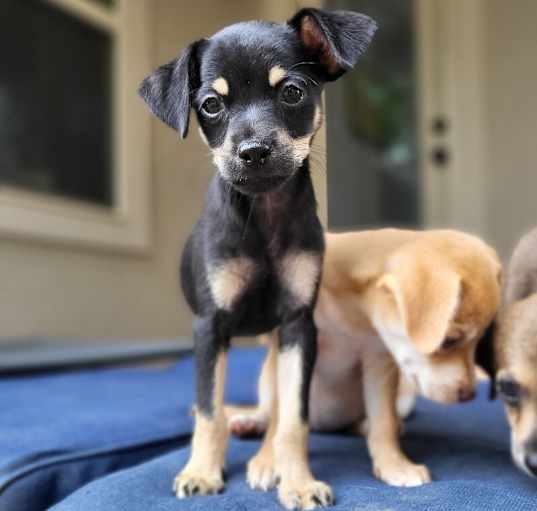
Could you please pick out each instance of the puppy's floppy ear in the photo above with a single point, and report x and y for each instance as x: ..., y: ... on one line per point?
x: 427, y: 297
x: 485, y: 358
x: 335, y: 39
x: 169, y: 88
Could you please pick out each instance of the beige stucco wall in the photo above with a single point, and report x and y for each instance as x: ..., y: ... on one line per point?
x: 511, y: 120
x: 63, y: 291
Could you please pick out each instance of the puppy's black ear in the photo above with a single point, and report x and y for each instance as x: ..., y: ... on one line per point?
x: 335, y: 39
x: 485, y: 358
x: 169, y: 88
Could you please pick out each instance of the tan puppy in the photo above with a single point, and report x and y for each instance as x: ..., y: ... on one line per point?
x: 512, y: 359
x: 390, y: 301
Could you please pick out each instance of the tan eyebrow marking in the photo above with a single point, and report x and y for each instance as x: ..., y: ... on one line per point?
x: 276, y: 75
x: 221, y: 86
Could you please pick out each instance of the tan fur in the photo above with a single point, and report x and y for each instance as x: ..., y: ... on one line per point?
x: 221, y: 86
x: 209, y: 443
x: 376, y: 286
x: 220, y: 154
x: 300, y: 272
x: 380, y: 389
x: 302, y: 146
x: 228, y: 280
x: 427, y: 298
x: 283, y: 454
x: 522, y: 275
x: 516, y: 358
x: 276, y: 75
x: 297, y: 488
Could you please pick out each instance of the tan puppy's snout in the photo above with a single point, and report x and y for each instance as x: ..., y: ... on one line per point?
x: 447, y: 381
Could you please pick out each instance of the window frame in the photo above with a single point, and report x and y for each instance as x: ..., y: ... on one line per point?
x: 126, y: 225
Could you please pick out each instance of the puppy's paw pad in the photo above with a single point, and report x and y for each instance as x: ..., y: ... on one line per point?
x: 311, y: 495
x: 188, y: 485
x: 245, y: 426
x: 261, y: 474
x: 403, y: 474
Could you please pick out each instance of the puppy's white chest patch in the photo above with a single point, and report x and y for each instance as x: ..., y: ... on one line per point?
x: 299, y: 273
x: 228, y: 280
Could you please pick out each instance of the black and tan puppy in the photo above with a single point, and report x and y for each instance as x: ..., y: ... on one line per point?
x: 510, y: 355
x: 253, y: 261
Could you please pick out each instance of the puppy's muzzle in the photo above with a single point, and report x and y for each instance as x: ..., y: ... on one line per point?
x: 254, y: 154
x: 262, y: 165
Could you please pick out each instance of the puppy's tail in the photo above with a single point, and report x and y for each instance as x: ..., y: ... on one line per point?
x: 522, y: 273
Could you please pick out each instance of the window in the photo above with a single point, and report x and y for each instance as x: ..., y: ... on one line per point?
x: 74, y: 141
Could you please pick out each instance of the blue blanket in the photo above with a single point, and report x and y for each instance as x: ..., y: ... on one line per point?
x: 466, y: 447
x: 59, y: 432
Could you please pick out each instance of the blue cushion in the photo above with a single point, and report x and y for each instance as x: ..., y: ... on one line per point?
x: 465, y: 446
x: 60, y: 431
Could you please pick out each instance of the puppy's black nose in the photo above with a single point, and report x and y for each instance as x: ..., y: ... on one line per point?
x: 466, y: 394
x: 531, y: 462
x: 254, y: 153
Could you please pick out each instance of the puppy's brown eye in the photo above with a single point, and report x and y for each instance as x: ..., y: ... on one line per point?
x: 509, y: 391
x: 292, y: 95
x: 212, y: 106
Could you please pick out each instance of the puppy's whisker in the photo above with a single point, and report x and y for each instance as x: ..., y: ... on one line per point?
x: 304, y: 63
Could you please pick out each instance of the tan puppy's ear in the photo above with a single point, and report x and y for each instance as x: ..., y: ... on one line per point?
x: 427, y: 299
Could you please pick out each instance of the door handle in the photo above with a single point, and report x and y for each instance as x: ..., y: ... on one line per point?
x: 440, y: 157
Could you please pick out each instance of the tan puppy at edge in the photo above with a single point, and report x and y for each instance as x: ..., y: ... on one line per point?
x: 391, y: 302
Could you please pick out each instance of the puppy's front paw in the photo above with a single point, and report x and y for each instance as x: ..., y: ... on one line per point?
x: 247, y: 426
x: 190, y: 483
x: 308, y: 495
x: 403, y: 473
x: 261, y: 474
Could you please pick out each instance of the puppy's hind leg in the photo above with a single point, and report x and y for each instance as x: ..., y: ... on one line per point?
x: 203, y: 474
x: 250, y: 421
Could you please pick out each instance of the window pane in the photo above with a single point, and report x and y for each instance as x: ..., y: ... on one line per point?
x: 55, y: 103
x: 372, y: 128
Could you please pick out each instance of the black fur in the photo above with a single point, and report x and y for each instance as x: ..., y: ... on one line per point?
x: 485, y: 357
x: 167, y: 90
x: 264, y: 208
